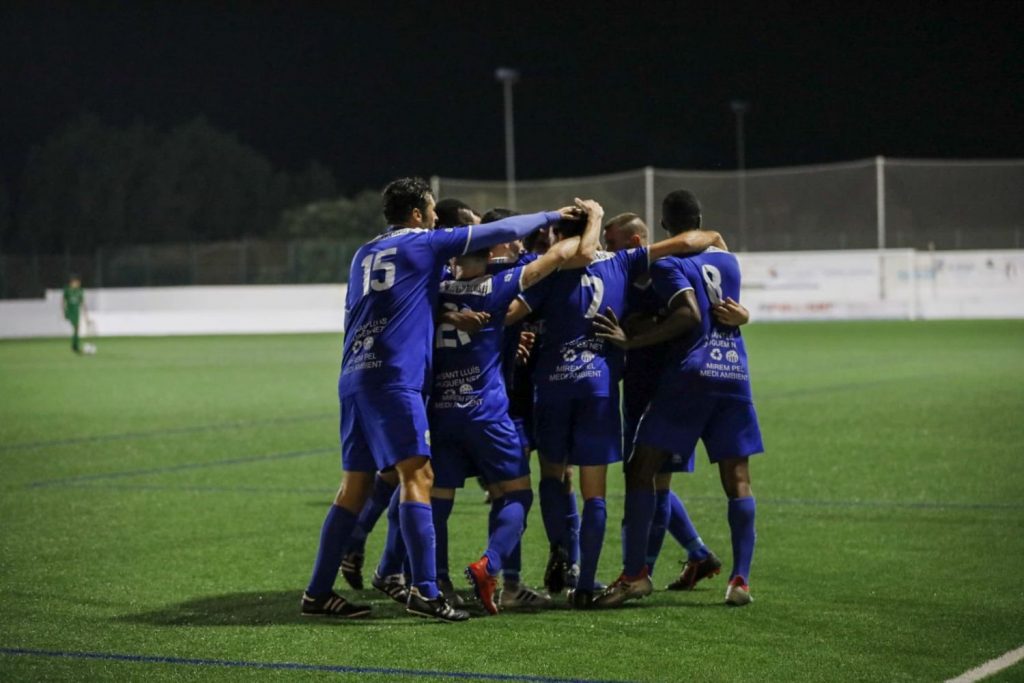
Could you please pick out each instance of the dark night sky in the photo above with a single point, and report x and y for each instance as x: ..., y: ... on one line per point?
x: 380, y: 89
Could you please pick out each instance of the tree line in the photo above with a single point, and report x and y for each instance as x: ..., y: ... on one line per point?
x: 91, y: 185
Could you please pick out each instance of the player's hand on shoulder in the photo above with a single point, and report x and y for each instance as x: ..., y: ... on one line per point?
x: 719, y: 242
x: 607, y: 327
x: 731, y: 312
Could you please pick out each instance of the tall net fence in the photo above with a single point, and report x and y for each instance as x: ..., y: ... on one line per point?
x: 954, y: 205
x: 892, y: 203
x: 870, y: 204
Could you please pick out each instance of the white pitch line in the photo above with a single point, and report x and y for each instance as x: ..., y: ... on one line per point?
x: 990, y: 667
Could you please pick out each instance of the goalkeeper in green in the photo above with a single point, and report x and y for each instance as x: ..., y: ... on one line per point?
x: 74, y: 307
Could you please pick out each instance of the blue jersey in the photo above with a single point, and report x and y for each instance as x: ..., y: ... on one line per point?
x: 468, y: 378
x: 572, y: 361
x: 711, y: 359
x: 645, y: 365
x: 389, y: 308
x: 511, y: 344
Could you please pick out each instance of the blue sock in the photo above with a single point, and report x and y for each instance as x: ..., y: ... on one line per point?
x: 492, y: 514
x: 639, y: 512
x: 512, y: 564
x: 374, y: 507
x: 394, y: 553
x: 551, y: 500
x: 418, y: 532
x: 572, y: 528
x: 595, y: 517
x: 659, y: 524
x: 333, y: 537
x: 681, y: 528
x: 741, y: 523
x: 441, y: 508
x: 508, y: 528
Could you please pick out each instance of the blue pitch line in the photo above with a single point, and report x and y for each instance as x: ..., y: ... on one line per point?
x: 178, y: 468
x: 914, y: 505
x: 868, y: 504
x: 123, y: 436
x: 292, y: 666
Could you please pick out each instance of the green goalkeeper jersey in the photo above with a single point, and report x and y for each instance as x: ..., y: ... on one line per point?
x: 73, y: 297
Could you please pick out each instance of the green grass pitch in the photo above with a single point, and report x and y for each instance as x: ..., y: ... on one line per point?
x: 163, y: 499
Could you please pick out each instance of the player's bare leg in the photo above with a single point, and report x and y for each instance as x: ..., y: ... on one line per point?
x: 735, y: 475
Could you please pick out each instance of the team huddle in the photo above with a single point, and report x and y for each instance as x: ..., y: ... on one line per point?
x: 472, y: 341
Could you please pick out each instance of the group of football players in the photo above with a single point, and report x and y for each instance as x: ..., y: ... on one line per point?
x: 471, y: 341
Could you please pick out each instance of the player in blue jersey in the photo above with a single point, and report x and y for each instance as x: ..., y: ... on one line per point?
x: 705, y: 395
x: 519, y: 339
x: 385, y: 374
x: 469, y: 418
x: 577, y: 385
x: 450, y: 213
x: 644, y: 367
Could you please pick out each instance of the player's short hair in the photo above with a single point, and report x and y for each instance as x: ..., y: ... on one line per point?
x: 496, y: 214
x: 402, y: 196
x: 680, y: 210
x: 448, y: 210
x: 630, y: 223
x: 570, y: 227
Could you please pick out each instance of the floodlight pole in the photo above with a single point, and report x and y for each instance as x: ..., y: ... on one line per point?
x: 739, y: 108
x: 508, y: 78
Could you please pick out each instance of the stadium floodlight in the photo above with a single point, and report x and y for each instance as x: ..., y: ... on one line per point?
x: 509, y: 77
x: 739, y: 109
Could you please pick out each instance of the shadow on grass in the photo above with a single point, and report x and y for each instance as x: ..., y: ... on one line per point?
x: 260, y: 608
x: 264, y: 608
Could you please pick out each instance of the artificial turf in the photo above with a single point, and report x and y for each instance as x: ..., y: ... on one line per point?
x: 163, y: 500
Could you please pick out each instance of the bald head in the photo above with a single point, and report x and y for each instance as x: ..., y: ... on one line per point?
x: 625, y: 231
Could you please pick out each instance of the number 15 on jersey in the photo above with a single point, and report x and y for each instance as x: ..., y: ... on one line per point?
x: 378, y: 271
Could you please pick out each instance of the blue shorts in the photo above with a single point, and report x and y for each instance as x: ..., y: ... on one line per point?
x: 676, y: 420
x: 381, y: 428
x: 579, y: 431
x: 638, y: 388
x: 491, y: 450
x: 524, y: 428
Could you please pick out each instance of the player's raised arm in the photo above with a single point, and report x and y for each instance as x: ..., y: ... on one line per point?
x: 590, y: 238
x: 557, y: 256
x: 512, y: 228
x: 689, y: 242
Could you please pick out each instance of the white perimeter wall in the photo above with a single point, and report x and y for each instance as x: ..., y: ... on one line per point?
x: 834, y: 285
x: 901, y: 284
x: 148, y: 311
